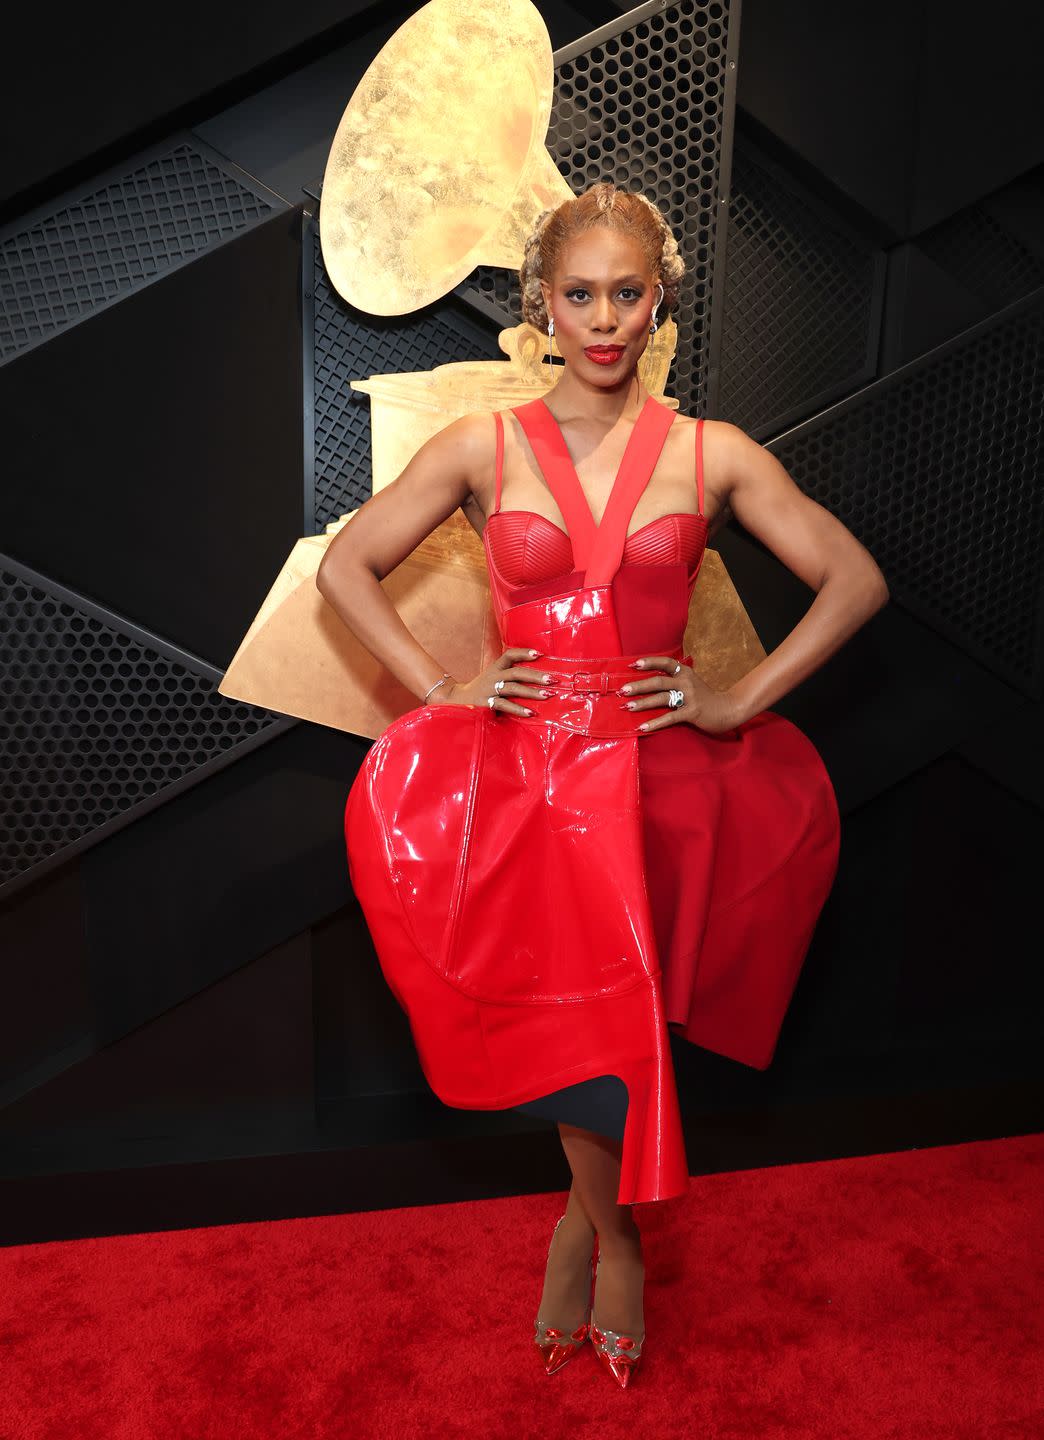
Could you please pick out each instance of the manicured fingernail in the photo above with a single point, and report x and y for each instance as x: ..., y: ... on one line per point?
x: 534, y: 653
x: 546, y: 679
x: 630, y: 705
x: 625, y: 689
x: 645, y: 726
x: 636, y: 664
x: 526, y: 710
x: 545, y: 694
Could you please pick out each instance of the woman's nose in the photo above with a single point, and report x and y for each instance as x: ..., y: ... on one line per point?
x: 605, y: 316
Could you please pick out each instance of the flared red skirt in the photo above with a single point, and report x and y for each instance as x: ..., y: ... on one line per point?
x: 741, y: 837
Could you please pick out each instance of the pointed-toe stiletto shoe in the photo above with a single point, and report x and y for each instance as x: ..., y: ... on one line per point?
x: 558, y: 1346
x: 617, y: 1353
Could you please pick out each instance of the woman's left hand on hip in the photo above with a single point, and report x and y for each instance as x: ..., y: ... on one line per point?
x: 711, y: 710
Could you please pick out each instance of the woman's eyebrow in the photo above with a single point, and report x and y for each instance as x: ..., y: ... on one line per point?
x: 633, y: 276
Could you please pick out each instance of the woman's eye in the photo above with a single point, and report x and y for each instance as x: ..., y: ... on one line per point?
x: 627, y: 289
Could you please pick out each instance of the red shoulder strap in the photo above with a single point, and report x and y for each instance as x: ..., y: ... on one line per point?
x: 699, y: 465
x: 500, y: 457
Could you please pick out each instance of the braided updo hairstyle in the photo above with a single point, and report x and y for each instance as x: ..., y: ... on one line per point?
x: 600, y: 204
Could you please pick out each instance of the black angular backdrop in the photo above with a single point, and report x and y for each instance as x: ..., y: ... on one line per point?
x: 195, y: 1028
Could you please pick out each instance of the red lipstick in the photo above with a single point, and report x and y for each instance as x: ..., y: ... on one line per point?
x: 604, y: 354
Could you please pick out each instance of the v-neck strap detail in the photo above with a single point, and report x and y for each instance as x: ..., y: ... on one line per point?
x: 636, y: 468
x: 556, y: 466
x: 597, y: 548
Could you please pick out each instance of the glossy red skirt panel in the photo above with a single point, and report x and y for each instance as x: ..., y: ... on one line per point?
x: 500, y: 868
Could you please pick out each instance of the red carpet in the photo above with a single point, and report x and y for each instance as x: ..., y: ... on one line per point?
x: 890, y: 1296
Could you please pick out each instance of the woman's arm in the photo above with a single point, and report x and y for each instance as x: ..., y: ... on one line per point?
x: 390, y: 526
x: 811, y: 543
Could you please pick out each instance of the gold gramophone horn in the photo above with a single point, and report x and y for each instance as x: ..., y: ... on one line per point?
x: 419, y: 188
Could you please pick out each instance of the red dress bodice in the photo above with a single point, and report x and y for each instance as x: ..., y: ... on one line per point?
x: 643, y: 581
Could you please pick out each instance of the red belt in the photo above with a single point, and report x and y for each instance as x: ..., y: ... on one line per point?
x: 583, y: 693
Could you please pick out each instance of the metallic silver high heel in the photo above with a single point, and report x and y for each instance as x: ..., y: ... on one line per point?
x: 617, y: 1353
x: 554, y: 1344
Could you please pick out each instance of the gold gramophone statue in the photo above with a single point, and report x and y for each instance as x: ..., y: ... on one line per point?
x: 439, y: 165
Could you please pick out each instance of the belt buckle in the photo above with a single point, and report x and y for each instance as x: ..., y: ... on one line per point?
x: 597, y: 681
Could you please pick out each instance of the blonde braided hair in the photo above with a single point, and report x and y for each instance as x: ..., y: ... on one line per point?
x: 600, y: 204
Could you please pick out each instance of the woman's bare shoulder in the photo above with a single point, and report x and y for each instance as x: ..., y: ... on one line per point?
x: 718, y: 428
x: 721, y: 439
x: 717, y: 437
x: 717, y: 442
x: 466, y: 444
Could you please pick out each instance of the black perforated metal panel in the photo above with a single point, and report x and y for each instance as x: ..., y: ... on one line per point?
x: 802, y: 303
x: 980, y: 247
x: 937, y: 470
x: 97, y: 247
x: 643, y: 102
x: 99, y: 719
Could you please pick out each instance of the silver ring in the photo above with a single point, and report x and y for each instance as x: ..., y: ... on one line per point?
x: 675, y: 698
x: 677, y: 668
x: 499, y: 686
x: 492, y: 702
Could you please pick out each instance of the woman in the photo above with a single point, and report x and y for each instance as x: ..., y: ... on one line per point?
x: 544, y: 851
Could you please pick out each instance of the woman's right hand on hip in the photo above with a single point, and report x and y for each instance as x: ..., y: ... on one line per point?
x: 518, y: 681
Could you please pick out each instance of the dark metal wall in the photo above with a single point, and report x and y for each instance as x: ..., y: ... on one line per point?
x: 180, y: 63
x: 189, y: 982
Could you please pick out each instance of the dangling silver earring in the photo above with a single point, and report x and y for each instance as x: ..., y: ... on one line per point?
x: 654, y: 326
x: 550, y: 340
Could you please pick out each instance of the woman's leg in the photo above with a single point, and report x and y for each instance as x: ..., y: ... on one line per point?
x: 595, y: 1162
x: 566, y: 1292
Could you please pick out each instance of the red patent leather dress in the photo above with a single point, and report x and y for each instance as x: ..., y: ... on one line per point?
x: 548, y: 893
